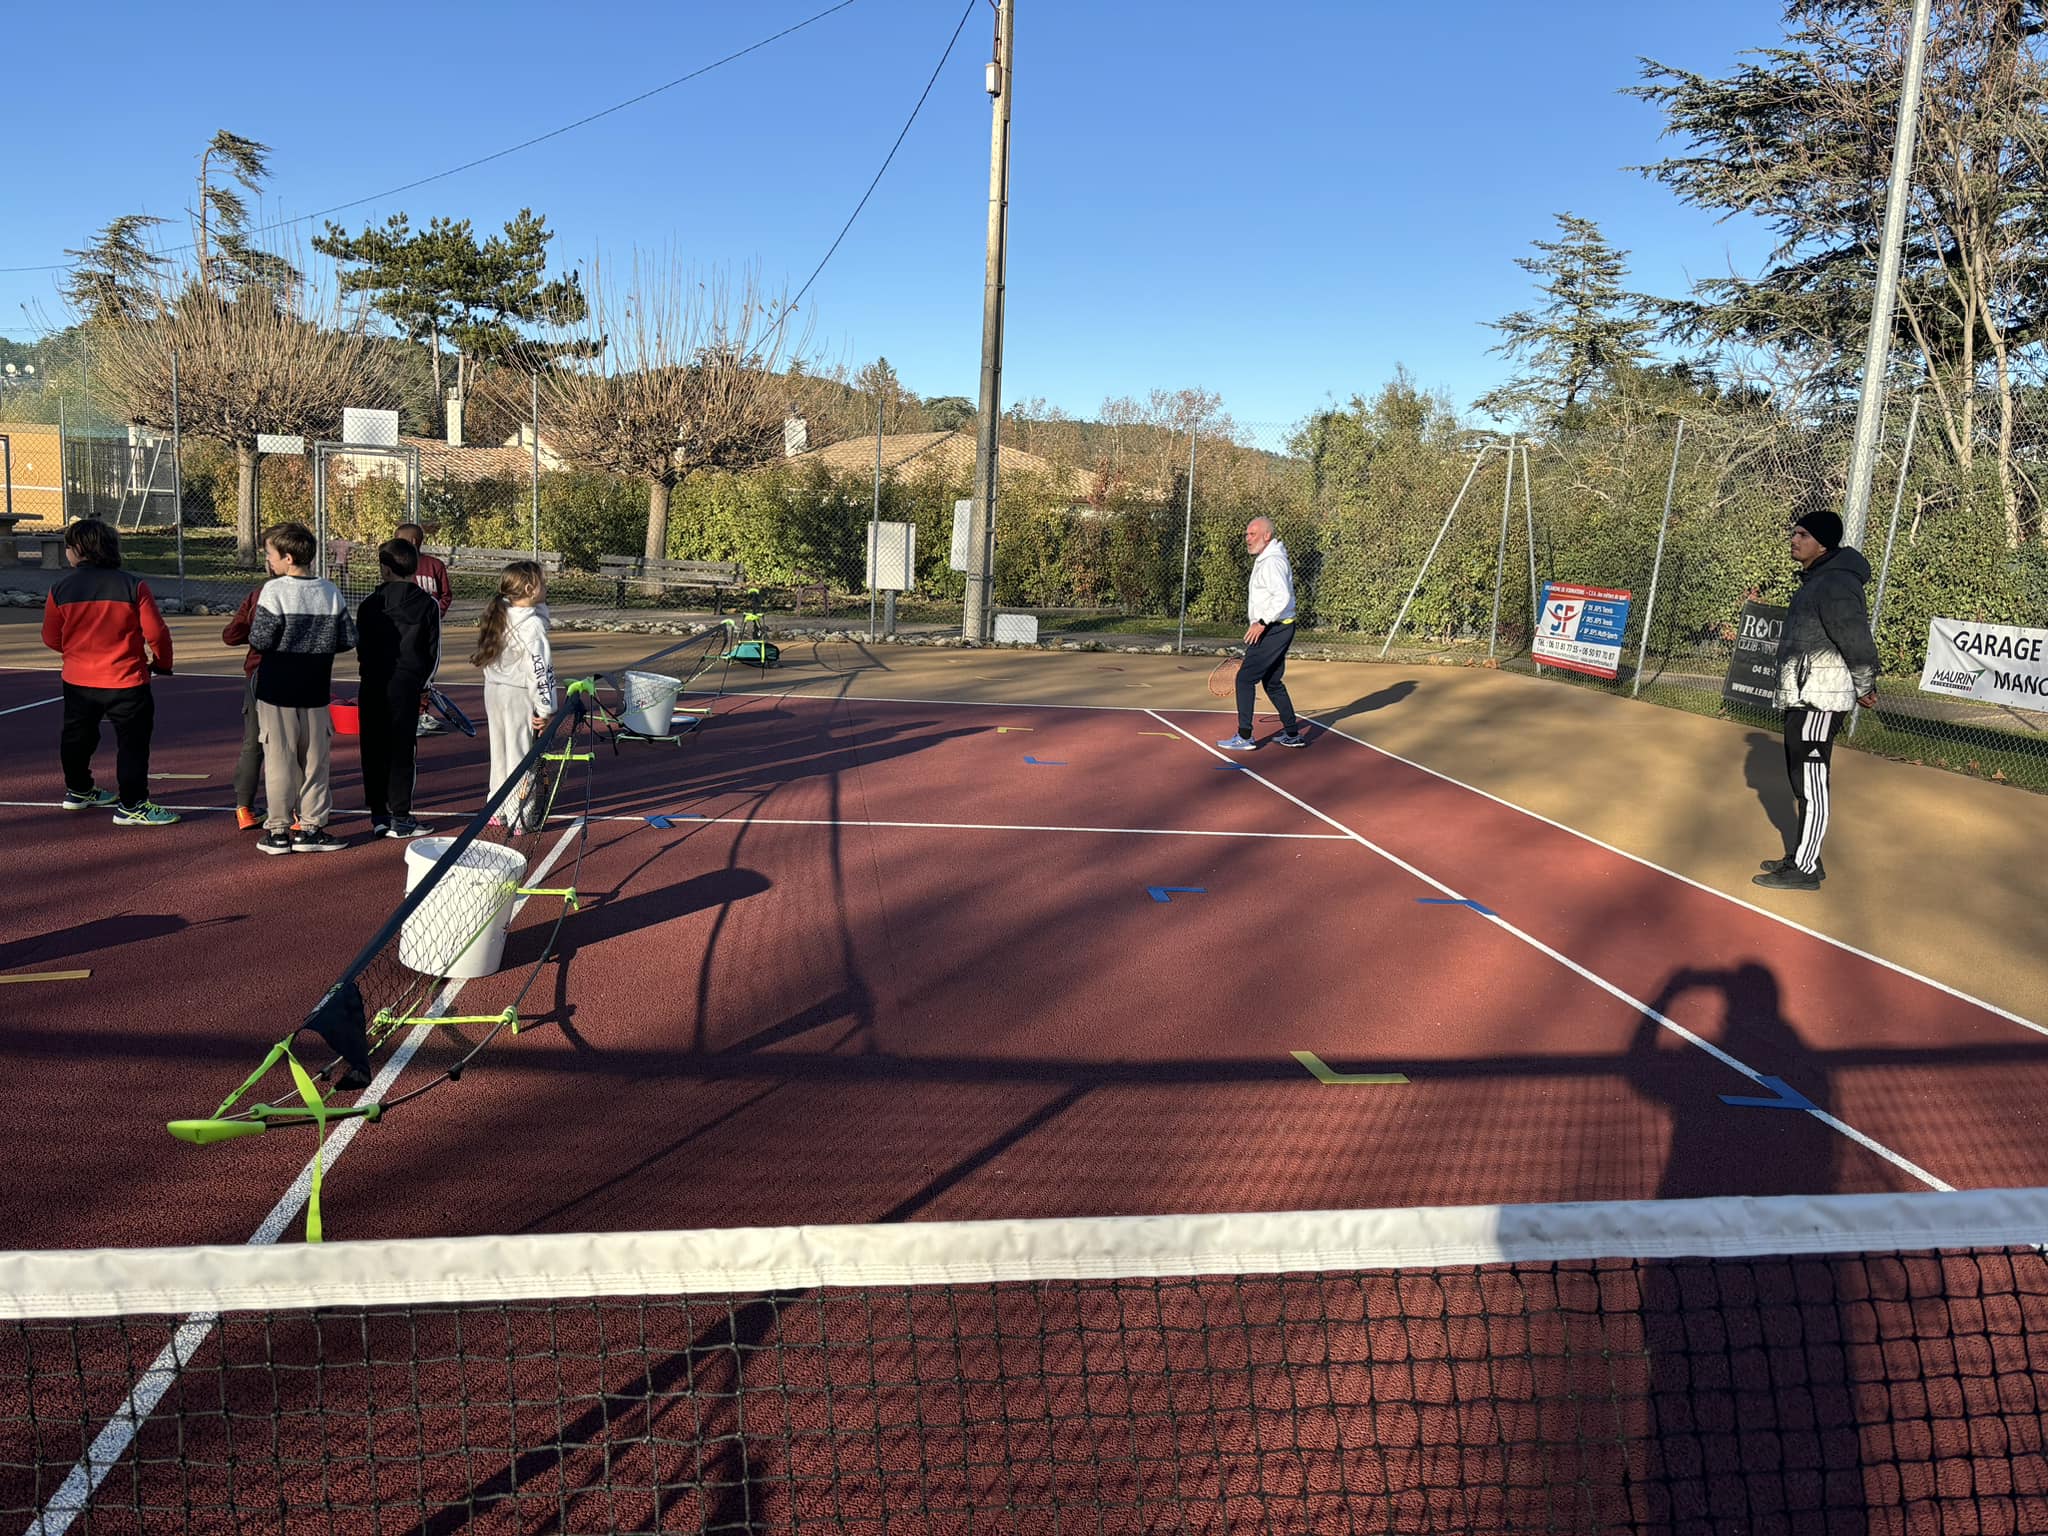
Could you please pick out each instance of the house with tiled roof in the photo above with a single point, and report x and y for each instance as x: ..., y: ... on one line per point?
x: 950, y: 454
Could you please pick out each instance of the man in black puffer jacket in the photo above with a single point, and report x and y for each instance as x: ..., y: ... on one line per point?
x: 400, y: 628
x: 1827, y: 662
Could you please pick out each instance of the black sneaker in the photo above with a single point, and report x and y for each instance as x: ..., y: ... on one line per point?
x: 316, y: 840
x: 274, y: 842
x: 1297, y: 737
x: 380, y: 828
x: 404, y: 826
x: 1770, y: 866
x: 1787, y: 877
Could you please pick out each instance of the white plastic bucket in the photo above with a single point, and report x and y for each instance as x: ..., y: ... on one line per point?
x: 459, y: 930
x: 649, y: 706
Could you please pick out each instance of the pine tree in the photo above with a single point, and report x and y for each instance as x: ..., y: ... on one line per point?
x: 1590, y: 329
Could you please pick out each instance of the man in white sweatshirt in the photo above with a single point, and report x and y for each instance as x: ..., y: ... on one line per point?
x: 1271, y: 610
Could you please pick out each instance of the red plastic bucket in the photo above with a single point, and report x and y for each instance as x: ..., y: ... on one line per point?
x: 345, y: 717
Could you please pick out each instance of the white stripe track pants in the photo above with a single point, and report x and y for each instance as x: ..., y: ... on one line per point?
x: 1809, y: 753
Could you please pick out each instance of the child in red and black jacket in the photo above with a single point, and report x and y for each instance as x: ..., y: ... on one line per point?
x: 112, y: 637
x: 249, y: 766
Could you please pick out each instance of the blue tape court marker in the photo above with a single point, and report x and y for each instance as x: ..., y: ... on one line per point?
x: 1040, y: 763
x: 1230, y: 767
x: 1165, y: 893
x: 1332, y: 1078
x: 1787, y: 1097
x: 1455, y: 901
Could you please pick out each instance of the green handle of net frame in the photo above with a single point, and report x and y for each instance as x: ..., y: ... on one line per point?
x: 204, y: 1133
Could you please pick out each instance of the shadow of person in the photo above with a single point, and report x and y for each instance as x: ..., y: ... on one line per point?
x: 1763, y: 770
x: 1708, y: 1399
x: 1385, y: 698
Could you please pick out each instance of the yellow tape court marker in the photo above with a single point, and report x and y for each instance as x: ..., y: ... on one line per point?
x: 1169, y: 735
x: 1324, y: 1074
x: 47, y: 976
x: 1004, y: 730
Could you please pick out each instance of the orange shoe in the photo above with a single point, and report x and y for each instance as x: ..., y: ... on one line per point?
x: 246, y: 819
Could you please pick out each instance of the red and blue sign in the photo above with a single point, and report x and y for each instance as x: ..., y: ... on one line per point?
x: 1581, y: 629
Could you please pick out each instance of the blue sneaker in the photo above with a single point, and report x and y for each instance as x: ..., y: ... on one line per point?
x: 88, y: 800
x: 1239, y: 744
x: 1294, y: 738
x: 144, y: 815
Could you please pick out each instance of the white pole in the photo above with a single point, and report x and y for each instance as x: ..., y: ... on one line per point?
x: 1657, y: 565
x: 1187, y: 531
x: 1470, y: 475
x: 1500, y: 559
x: 1884, y: 571
x: 1529, y: 517
x: 1877, y: 351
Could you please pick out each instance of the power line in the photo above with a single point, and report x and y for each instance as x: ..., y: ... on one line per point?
x: 541, y: 138
x: 951, y: 43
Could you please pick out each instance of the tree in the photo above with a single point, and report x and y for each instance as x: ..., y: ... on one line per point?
x: 1590, y: 329
x: 245, y: 365
x: 440, y: 288
x: 1802, y: 138
x: 227, y: 263
x: 682, y: 375
x: 887, y: 399
x: 113, y: 278
x: 946, y: 413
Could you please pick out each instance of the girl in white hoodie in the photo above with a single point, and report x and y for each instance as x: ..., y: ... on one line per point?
x: 519, y: 685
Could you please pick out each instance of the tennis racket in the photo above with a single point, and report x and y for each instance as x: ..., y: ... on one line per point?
x: 445, y: 707
x: 1223, y: 677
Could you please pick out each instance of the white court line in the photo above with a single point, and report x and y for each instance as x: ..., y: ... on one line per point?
x: 345, y: 812
x: 1713, y: 1050
x: 36, y: 704
x: 118, y: 1433
x: 1797, y: 927
x: 1634, y: 858
x: 970, y: 826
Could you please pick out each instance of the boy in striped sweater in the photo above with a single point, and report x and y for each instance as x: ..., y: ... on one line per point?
x: 301, y: 624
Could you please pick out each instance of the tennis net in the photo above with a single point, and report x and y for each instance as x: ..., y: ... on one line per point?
x: 1787, y: 1364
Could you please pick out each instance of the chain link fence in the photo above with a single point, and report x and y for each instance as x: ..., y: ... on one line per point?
x: 1412, y: 538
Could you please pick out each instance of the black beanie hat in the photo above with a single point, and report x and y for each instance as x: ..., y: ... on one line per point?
x: 1825, y: 527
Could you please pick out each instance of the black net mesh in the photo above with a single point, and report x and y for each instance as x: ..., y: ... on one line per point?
x: 1870, y: 1391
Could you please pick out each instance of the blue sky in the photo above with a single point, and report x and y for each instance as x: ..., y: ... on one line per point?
x: 1279, y: 202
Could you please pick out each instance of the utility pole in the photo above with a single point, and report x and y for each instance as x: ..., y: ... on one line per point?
x: 1877, y: 353
x: 981, y: 526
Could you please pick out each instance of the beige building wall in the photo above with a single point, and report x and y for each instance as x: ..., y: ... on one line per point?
x: 38, y: 470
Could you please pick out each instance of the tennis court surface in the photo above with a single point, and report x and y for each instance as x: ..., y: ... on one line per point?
x: 939, y: 1114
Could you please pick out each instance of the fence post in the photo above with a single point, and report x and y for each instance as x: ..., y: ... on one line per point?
x: 1500, y: 560
x: 1884, y: 570
x: 1657, y: 565
x: 1529, y: 517
x: 1187, y: 533
x: 875, y: 526
x: 536, y: 467
x: 1470, y: 475
x: 177, y: 477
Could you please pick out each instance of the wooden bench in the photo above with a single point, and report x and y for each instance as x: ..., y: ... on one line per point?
x: 475, y: 560
x: 720, y: 576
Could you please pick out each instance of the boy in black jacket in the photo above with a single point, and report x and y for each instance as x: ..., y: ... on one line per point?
x: 400, y: 628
